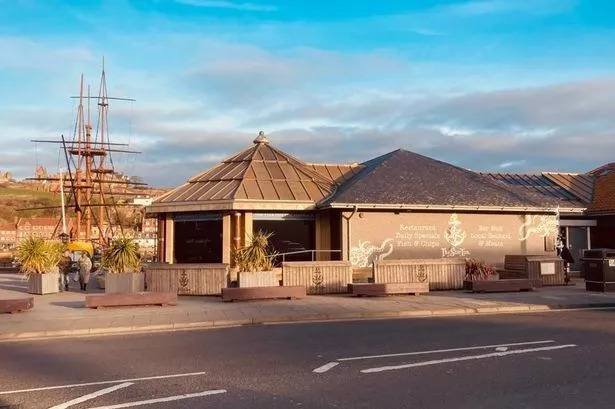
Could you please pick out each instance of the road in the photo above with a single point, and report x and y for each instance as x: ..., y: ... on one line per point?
x: 556, y: 360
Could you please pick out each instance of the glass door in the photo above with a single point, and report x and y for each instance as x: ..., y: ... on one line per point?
x: 577, y: 242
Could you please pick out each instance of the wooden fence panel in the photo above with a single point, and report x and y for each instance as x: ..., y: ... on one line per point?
x: 319, y: 277
x: 187, y: 279
x: 442, y: 274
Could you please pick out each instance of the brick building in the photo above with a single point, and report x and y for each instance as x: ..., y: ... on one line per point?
x: 8, y: 236
x: 42, y: 227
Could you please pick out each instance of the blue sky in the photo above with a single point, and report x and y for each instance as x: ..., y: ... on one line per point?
x: 497, y: 85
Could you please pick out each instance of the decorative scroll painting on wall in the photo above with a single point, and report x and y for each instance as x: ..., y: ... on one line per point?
x: 544, y: 226
x: 365, y: 253
x: 378, y: 236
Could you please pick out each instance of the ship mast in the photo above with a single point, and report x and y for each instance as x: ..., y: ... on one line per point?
x: 91, y: 183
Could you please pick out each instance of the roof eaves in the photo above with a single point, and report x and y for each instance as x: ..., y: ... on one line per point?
x: 376, y: 206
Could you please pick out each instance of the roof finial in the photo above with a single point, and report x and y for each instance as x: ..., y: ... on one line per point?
x: 261, y: 138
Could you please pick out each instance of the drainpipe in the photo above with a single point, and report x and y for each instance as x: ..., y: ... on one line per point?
x: 354, y: 211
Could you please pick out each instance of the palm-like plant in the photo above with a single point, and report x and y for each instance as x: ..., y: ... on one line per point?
x: 37, y: 256
x: 258, y: 255
x: 122, y: 256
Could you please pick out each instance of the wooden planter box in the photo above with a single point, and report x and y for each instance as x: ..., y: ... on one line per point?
x: 441, y: 274
x: 319, y: 277
x: 507, y: 285
x: 263, y: 293
x: 13, y: 305
x: 367, y: 289
x: 548, y: 269
x: 258, y: 279
x: 130, y: 299
x: 48, y: 283
x: 124, y: 282
x: 187, y: 279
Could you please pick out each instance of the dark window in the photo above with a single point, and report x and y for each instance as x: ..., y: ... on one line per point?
x: 198, y: 241
x: 289, y: 236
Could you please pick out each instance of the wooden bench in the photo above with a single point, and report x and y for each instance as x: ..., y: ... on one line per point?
x: 130, y: 299
x: 550, y: 270
x: 263, y: 293
x: 379, y: 289
x: 12, y: 305
x: 506, y: 285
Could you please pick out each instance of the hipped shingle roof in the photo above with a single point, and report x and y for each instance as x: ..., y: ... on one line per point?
x: 403, y: 178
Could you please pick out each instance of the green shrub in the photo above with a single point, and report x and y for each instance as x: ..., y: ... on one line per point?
x: 37, y: 256
x: 122, y: 256
x: 258, y: 255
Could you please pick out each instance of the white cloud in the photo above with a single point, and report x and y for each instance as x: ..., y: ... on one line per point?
x: 22, y: 52
x: 507, y: 165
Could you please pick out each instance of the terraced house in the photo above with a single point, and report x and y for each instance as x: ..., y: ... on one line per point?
x: 400, y: 205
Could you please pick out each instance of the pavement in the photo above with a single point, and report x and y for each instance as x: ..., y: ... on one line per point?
x: 509, y: 361
x: 64, y: 314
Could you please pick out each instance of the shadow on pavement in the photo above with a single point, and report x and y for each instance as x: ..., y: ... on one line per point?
x: 14, y: 287
x: 69, y: 304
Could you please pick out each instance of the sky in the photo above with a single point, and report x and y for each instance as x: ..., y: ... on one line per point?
x: 488, y: 85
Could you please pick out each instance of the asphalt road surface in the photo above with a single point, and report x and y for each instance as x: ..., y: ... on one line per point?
x: 556, y: 360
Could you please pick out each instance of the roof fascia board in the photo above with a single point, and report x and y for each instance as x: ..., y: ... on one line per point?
x: 230, y: 205
x: 367, y: 206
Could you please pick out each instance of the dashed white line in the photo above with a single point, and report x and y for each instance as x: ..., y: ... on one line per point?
x: 465, y: 358
x: 91, y: 396
x: 75, y: 385
x: 326, y: 367
x: 160, y: 400
x: 437, y: 351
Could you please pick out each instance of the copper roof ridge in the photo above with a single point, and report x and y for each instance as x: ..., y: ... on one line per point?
x: 303, y: 166
x: 353, y: 164
x: 566, y: 173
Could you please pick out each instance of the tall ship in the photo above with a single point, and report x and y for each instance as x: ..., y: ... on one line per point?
x: 96, y: 199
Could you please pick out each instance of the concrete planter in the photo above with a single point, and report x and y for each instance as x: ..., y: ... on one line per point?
x: 101, y: 282
x: 124, y: 282
x: 48, y: 283
x: 258, y: 279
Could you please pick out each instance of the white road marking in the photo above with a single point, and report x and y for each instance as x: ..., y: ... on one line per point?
x: 48, y: 388
x: 437, y: 351
x: 160, y: 400
x: 91, y: 395
x: 326, y: 367
x: 465, y: 358
x: 501, y: 349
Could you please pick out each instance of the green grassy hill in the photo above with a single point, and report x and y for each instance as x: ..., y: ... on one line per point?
x: 20, y: 197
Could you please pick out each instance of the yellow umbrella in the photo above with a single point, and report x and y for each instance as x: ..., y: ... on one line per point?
x: 81, y: 246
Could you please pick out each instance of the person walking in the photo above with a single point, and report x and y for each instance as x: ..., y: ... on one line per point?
x: 85, y: 267
x: 65, y: 269
x: 564, y: 253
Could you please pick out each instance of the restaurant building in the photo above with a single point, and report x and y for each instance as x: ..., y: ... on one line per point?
x: 400, y: 205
